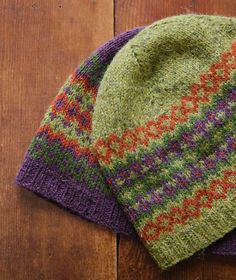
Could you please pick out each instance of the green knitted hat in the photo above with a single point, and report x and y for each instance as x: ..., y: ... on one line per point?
x: 164, y: 130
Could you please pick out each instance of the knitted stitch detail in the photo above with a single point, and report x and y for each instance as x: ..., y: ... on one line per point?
x: 191, y: 208
x: 59, y: 164
x: 185, y: 145
x: 115, y: 146
x: 76, y: 196
x: 164, y: 133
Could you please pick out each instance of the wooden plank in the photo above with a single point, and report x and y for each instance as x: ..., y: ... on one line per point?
x: 219, y: 268
x: 41, y: 43
x: 131, y: 13
x: 133, y: 260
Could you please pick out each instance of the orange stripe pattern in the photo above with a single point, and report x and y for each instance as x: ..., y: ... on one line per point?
x: 191, y: 207
x: 130, y: 140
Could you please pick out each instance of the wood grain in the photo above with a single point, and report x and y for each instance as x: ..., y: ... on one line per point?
x: 133, y: 260
x: 131, y: 13
x: 41, y: 43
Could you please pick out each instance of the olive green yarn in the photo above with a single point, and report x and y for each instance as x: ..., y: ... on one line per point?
x: 146, y: 80
x: 156, y: 68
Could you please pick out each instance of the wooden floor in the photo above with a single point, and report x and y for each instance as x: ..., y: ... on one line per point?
x: 41, y: 42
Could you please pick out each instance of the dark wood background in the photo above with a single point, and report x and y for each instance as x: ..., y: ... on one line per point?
x: 41, y: 42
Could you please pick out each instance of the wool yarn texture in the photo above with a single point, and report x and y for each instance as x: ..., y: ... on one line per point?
x: 59, y: 164
x: 164, y: 132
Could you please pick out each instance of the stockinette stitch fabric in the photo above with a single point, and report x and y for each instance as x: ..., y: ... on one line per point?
x: 59, y: 164
x: 164, y: 131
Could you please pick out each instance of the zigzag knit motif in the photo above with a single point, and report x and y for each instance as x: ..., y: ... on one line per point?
x: 209, y: 84
x: 159, y: 174
x: 60, y: 164
x: 164, y: 131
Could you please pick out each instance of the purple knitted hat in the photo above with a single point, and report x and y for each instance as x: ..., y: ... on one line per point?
x: 60, y: 165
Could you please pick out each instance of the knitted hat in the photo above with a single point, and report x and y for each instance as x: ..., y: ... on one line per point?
x: 164, y: 130
x: 59, y: 163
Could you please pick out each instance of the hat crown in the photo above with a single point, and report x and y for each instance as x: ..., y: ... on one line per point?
x: 156, y: 68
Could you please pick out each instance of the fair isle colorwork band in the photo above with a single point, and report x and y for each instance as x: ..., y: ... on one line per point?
x: 164, y: 130
x: 59, y: 163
